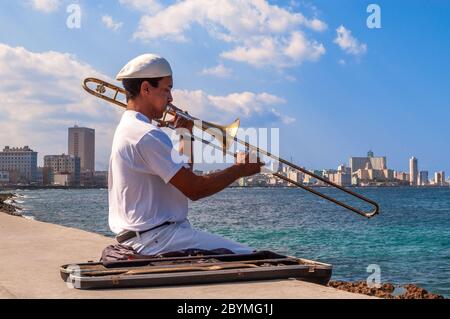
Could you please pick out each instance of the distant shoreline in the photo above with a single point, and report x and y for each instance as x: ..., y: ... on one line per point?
x: 32, y: 187
x: 9, y: 208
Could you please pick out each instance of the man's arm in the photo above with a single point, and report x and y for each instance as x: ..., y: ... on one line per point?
x: 196, y: 187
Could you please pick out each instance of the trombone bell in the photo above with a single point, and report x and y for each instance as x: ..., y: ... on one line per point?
x: 226, y: 134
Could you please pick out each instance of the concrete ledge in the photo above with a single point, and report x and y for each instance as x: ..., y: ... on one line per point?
x: 32, y: 252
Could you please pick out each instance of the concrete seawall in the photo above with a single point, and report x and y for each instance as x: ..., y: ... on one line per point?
x: 32, y: 252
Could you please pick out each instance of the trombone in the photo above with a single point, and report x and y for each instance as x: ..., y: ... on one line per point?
x: 228, y: 136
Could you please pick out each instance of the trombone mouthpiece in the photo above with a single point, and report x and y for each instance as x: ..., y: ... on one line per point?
x: 174, y: 108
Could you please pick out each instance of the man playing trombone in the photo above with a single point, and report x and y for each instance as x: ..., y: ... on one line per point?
x: 149, y: 189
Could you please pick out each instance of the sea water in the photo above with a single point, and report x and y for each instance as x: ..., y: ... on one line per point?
x: 409, y: 240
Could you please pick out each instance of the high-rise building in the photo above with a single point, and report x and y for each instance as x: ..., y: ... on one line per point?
x: 423, y: 177
x: 64, y: 165
x: 82, y: 145
x: 413, y: 171
x: 21, y: 163
x: 369, y: 162
x: 439, y: 178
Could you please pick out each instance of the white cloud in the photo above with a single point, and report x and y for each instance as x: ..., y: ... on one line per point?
x: 41, y: 96
x: 147, y: 6
x: 223, y: 109
x: 283, y: 118
x: 46, y: 6
x: 299, y: 48
x: 282, y: 52
x: 317, y: 25
x: 109, y: 22
x: 255, y: 28
x: 220, y: 71
x: 348, y: 42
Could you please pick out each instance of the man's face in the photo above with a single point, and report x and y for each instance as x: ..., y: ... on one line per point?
x: 159, y: 97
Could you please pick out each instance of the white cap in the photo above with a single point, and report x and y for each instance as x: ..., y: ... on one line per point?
x: 145, y: 66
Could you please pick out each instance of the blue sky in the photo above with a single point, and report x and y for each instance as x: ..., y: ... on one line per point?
x: 271, y: 63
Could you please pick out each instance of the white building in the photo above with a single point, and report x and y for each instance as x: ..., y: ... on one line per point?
x: 369, y: 162
x: 295, y: 176
x: 439, y: 178
x: 21, y: 163
x: 340, y: 178
x: 402, y: 177
x: 276, y: 166
x: 64, y: 164
x: 242, y: 182
x: 62, y: 179
x: 413, y: 171
x: 374, y: 175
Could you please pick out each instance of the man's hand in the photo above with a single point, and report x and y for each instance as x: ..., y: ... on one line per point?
x: 179, y: 122
x: 248, y: 164
x: 182, y: 122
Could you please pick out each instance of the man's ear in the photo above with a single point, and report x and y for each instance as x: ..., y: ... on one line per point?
x: 145, y: 87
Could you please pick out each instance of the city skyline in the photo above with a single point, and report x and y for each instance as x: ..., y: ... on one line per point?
x: 354, y: 164
x: 316, y: 70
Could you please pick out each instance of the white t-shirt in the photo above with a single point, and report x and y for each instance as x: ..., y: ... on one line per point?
x: 142, y: 163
